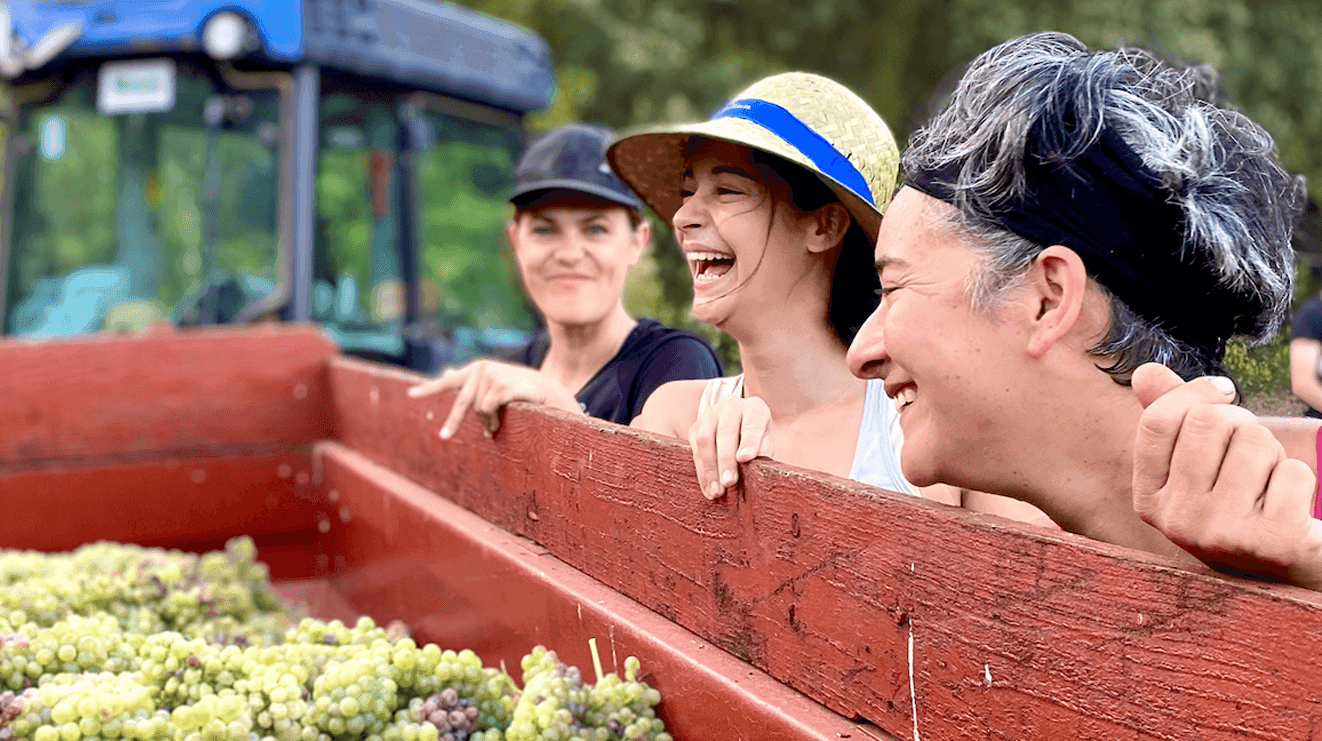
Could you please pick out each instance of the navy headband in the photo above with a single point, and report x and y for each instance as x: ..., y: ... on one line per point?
x: 797, y: 134
x: 1111, y: 209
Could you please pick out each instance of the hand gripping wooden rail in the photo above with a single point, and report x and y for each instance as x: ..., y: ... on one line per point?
x: 802, y: 607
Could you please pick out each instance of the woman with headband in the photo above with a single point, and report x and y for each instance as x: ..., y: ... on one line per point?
x: 1078, y: 235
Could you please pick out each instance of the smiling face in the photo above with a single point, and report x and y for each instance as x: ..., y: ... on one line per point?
x: 573, y: 254
x: 737, y: 230
x: 948, y: 368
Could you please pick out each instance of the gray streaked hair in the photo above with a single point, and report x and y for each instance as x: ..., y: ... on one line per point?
x: 1238, y: 204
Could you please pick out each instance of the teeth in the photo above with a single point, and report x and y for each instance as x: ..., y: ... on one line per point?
x: 905, y: 397
x: 696, y: 256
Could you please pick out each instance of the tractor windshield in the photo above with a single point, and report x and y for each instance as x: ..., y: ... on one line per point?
x: 129, y: 214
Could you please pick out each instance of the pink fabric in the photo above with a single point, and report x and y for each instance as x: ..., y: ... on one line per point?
x: 1317, y: 496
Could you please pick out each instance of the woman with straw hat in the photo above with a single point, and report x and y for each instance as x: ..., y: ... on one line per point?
x: 776, y: 203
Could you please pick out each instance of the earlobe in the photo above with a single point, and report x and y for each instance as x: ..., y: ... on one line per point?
x: 641, y: 237
x: 1057, y: 282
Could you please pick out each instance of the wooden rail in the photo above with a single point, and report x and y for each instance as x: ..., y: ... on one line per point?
x: 134, y: 395
x: 928, y: 621
x: 931, y: 621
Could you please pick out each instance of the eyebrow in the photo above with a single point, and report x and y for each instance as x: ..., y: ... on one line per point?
x: 732, y: 170
x: 723, y: 169
x: 882, y: 262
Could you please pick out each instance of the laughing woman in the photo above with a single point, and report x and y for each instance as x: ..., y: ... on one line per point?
x: 774, y: 202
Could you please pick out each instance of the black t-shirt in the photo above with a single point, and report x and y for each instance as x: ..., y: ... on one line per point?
x: 1307, y: 324
x: 651, y: 355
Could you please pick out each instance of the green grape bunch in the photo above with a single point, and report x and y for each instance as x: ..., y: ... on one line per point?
x: 122, y: 642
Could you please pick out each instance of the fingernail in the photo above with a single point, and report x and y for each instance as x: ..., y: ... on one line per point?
x: 746, y: 453
x: 727, y: 477
x: 714, y: 490
x: 1224, y: 385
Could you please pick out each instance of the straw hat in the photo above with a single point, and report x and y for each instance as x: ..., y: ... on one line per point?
x: 804, y: 118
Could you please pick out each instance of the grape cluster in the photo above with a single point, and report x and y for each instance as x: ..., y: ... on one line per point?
x: 11, y: 706
x: 556, y: 705
x: 120, y: 642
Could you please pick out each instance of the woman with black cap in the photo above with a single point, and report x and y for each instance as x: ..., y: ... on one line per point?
x: 575, y: 233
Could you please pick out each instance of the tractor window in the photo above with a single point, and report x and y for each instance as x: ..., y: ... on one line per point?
x: 122, y: 221
x: 468, y: 281
x: 358, y: 288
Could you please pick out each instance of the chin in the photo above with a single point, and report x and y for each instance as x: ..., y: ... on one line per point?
x: 710, y: 312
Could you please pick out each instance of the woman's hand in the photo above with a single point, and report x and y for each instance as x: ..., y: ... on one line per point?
x: 732, y: 431
x: 486, y: 386
x: 1215, y: 482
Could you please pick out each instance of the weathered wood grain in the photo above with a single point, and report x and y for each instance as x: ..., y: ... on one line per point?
x: 931, y: 621
x: 462, y: 582
x: 163, y: 392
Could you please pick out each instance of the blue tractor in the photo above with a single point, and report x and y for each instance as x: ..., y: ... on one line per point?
x: 199, y: 162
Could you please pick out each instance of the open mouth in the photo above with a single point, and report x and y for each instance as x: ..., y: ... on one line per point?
x: 709, y: 266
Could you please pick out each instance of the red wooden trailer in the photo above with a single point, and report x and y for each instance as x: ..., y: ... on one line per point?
x: 802, y: 607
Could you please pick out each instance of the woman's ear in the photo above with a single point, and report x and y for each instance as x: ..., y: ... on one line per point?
x: 1057, y: 285
x: 827, y: 227
x: 642, y: 236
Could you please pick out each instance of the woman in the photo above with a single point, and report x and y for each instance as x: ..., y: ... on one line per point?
x: 1079, y: 235
x: 774, y: 202
x: 575, y: 233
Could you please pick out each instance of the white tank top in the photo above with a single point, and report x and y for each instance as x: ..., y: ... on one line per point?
x: 877, y: 454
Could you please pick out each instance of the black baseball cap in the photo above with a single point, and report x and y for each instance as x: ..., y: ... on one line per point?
x: 571, y: 158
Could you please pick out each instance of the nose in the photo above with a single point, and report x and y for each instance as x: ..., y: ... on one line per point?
x: 867, y: 356
x: 691, y: 215
x: 569, y: 249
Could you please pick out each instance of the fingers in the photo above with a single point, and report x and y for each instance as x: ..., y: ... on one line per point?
x: 728, y: 433
x: 702, y: 440
x: 1290, y: 492
x: 1161, y: 423
x: 755, y: 431
x: 1152, y: 380
x: 728, y: 426
x: 1220, y: 441
x: 451, y: 379
x: 462, y: 401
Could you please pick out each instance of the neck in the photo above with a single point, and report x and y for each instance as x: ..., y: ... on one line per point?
x: 797, y: 367
x: 1080, y: 468
x: 577, y: 351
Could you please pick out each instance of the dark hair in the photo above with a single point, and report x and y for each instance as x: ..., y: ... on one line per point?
x: 544, y: 198
x: 854, y: 281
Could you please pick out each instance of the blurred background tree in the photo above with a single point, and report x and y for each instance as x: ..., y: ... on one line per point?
x: 632, y: 62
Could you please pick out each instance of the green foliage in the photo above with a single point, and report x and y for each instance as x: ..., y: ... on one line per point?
x: 1260, y: 371
x: 628, y: 62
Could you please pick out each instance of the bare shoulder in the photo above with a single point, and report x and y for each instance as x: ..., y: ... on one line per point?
x: 672, y: 408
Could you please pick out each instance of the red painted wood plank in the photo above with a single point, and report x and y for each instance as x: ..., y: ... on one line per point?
x: 461, y: 582
x: 931, y: 621
x: 163, y: 392
x: 194, y: 503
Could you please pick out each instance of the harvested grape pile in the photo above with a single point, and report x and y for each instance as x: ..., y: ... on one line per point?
x: 115, y: 641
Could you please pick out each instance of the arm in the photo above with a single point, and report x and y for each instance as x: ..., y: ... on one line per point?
x: 1216, y: 482
x: 1304, y: 381
x: 670, y: 409
x: 1013, y: 509
x: 486, y: 386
